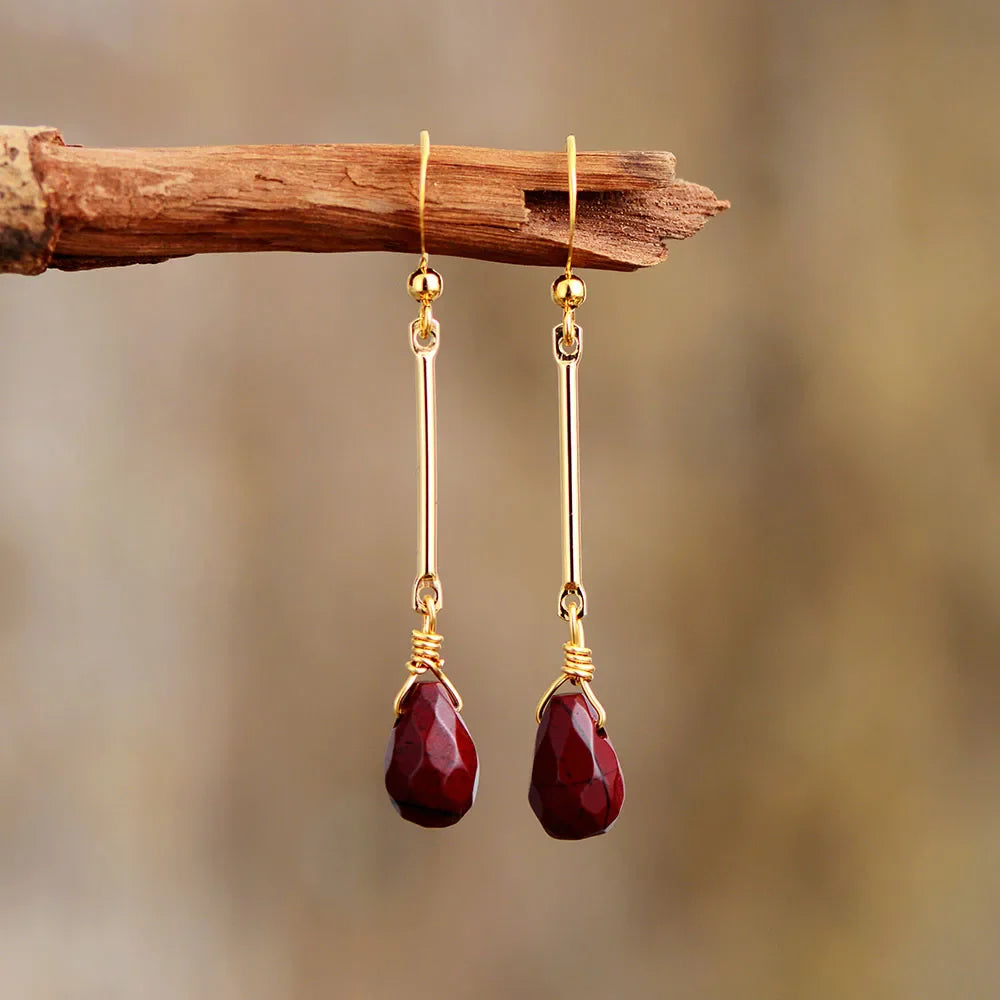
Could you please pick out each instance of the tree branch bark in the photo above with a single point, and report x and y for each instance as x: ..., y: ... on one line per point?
x: 71, y: 207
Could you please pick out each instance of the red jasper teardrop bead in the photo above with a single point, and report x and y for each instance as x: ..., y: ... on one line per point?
x: 577, y: 788
x: 431, y: 766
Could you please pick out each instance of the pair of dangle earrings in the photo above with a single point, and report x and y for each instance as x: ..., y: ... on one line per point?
x: 431, y: 764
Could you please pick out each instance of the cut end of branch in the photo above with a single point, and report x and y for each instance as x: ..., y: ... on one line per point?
x: 27, y: 232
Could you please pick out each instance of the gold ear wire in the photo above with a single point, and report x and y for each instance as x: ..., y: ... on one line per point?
x: 569, y: 291
x: 425, y: 155
x: 425, y: 284
x: 571, y: 163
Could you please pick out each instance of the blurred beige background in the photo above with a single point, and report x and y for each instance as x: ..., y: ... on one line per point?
x: 792, y: 497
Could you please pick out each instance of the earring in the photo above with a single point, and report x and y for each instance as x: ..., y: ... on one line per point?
x: 431, y: 766
x: 576, y: 788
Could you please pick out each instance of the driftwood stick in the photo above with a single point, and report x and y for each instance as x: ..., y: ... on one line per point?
x: 71, y: 207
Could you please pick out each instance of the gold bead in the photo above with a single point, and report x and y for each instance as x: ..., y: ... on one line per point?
x: 568, y: 292
x: 425, y: 286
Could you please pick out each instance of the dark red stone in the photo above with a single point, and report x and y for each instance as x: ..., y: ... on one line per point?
x: 577, y: 788
x: 431, y: 766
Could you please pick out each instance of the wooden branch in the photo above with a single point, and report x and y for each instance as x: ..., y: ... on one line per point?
x: 71, y: 208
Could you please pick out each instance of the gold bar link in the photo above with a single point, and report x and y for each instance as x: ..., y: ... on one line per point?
x: 425, y: 348
x: 568, y: 347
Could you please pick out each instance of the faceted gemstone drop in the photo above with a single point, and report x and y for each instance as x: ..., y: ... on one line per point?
x: 577, y: 788
x: 431, y: 767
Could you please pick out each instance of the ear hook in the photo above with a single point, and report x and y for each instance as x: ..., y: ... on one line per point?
x: 571, y: 161
x: 425, y: 283
x: 569, y: 291
x: 425, y: 155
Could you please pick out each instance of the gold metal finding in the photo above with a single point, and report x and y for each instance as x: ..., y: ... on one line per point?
x: 568, y: 362
x: 571, y: 162
x: 425, y: 654
x: 425, y: 155
x: 425, y: 348
x: 425, y: 285
x: 568, y: 292
x: 578, y: 669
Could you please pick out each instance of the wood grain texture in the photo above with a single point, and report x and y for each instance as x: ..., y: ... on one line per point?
x: 73, y: 207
